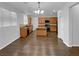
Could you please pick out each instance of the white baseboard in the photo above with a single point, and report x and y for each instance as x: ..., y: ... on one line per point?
x: 67, y: 44
x: 74, y: 45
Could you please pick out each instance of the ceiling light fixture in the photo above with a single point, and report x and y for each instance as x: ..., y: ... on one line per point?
x: 39, y: 11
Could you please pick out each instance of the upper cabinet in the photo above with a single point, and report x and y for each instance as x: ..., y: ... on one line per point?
x: 53, y: 20
x: 49, y: 22
x: 41, y: 20
x: 53, y: 24
x: 29, y: 20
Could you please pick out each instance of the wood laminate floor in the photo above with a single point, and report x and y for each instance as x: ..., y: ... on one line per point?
x: 39, y: 46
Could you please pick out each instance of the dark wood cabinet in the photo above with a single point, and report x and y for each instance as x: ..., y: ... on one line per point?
x: 46, y: 25
x: 41, y: 20
x: 53, y: 20
x: 53, y: 28
x: 53, y: 24
x: 41, y: 31
x: 23, y: 32
x: 29, y: 20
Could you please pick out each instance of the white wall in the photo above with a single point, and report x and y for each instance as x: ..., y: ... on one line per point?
x: 35, y: 22
x: 63, y: 26
x: 9, y: 33
x: 9, y: 27
x: 64, y: 22
x: 20, y: 18
x: 60, y: 25
x: 75, y: 28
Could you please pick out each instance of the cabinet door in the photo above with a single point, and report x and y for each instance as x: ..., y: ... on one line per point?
x: 23, y: 32
x: 29, y: 20
x: 53, y: 23
x: 53, y: 20
x: 53, y: 28
x: 30, y: 29
x: 41, y: 20
x: 41, y: 32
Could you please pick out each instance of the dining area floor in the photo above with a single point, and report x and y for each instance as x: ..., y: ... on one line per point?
x: 34, y: 45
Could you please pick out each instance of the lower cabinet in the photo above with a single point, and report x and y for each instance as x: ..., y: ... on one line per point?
x: 30, y: 28
x: 41, y: 32
x: 53, y: 28
x: 23, y: 32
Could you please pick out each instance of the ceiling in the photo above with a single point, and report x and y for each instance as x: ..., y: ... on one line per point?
x: 28, y: 8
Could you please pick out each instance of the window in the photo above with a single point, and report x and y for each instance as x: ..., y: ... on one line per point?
x: 25, y: 20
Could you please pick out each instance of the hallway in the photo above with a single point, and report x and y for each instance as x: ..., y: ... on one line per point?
x: 39, y: 46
